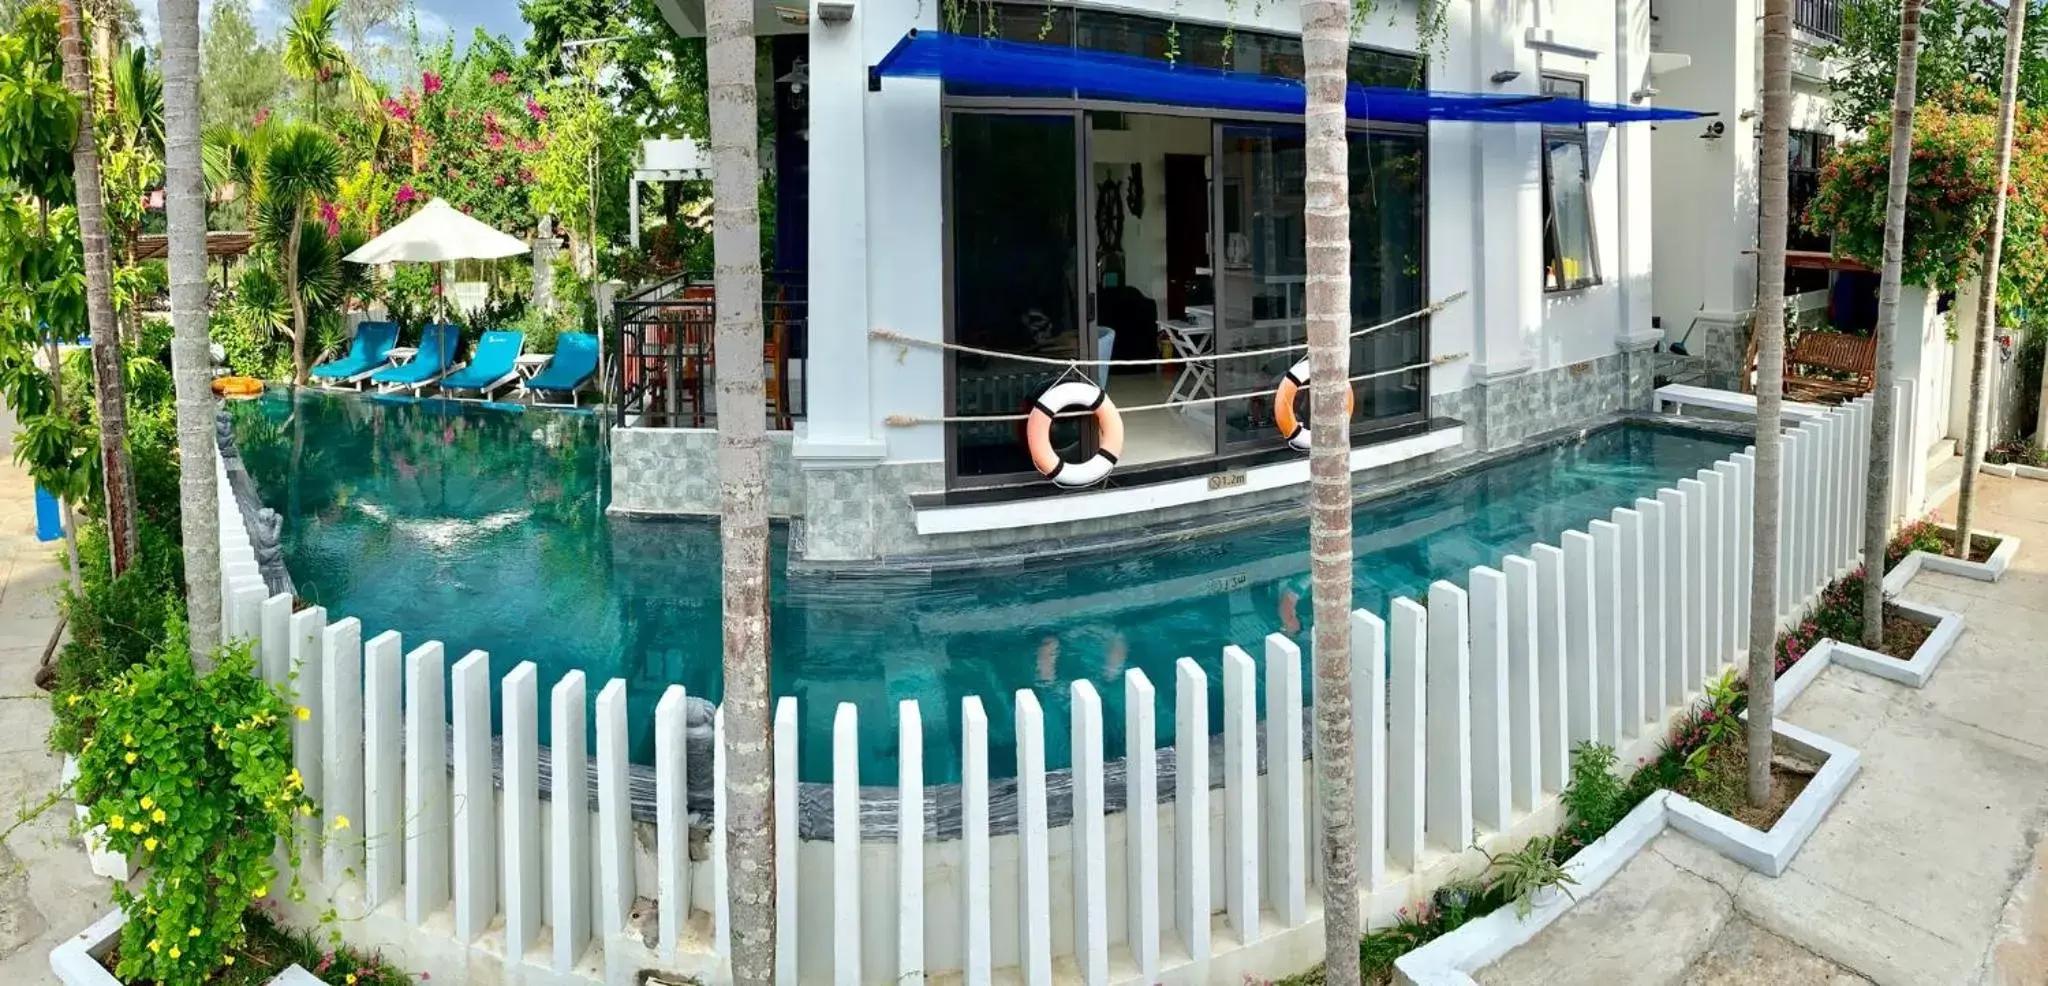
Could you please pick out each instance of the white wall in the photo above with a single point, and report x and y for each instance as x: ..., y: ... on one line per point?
x: 1705, y: 189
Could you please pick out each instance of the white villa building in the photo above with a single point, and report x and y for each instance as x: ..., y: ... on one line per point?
x: 1075, y: 230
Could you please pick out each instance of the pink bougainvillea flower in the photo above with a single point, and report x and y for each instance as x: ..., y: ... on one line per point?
x: 499, y: 181
x: 430, y: 83
x: 398, y: 110
x: 262, y: 115
x: 405, y: 194
x: 496, y: 140
x: 535, y: 110
x: 500, y: 77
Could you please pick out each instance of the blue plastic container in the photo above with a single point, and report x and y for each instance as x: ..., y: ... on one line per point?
x: 49, y: 516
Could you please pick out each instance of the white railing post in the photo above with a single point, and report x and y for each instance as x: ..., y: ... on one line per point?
x: 1552, y: 702
x: 308, y: 629
x: 1744, y: 545
x: 614, y: 811
x: 1035, y: 900
x: 1792, y: 525
x: 1448, y: 773
x: 1699, y: 583
x: 721, y: 819
x: 1191, y: 806
x: 1581, y: 638
x: 1090, y: 852
x: 1405, y: 746
x: 426, y: 782
x: 909, y: 845
x: 384, y: 735
x: 1525, y: 736
x: 1492, y: 805
x: 1678, y: 593
x: 1369, y: 743
x: 1633, y: 601
x: 569, y: 797
x: 787, y: 829
x: 1240, y: 796
x: 1715, y: 559
x: 671, y: 825
x: 1733, y: 631
x: 522, y: 811
x: 1141, y: 807
x: 978, y: 950
x: 245, y: 609
x: 1607, y: 622
x: 1651, y: 615
x: 1286, y: 799
x: 846, y: 845
x: 475, y: 799
x: 341, y: 745
x: 275, y: 654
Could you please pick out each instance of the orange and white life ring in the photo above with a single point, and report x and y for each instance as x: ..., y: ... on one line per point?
x: 1109, y: 434
x: 1291, y: 428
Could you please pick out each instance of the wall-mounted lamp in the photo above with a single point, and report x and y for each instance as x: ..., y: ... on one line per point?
x: 1715, y: 130
x: 1645, y: 92
x: 835, y: 11
x: 1746, y: 115
x: 1505, y: 76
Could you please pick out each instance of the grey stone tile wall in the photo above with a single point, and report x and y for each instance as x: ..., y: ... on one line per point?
x: 675, y: 471
x: 1511, y: 408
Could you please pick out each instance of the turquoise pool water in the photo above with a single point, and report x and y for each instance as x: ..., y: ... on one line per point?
x: 485, y: 528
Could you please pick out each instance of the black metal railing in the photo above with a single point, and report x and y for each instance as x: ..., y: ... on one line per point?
x: 1819, y: 17
x: 666, y: 364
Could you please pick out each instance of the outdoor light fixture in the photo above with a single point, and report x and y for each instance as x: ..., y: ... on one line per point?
x: 835, y: 11
x: 1641, y: 94
x: 1505, y: 76
x: 1714, y: 131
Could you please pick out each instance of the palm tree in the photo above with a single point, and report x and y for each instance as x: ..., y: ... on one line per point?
x: 1877, y: 493
x: 138, y: 100
x: 742, y: 489
x: 1770, y: 390
x: 1973, y: 440
x: 300, y: 167
x: 185, y: 209
x: 108, y: 393
x: 232, y: 161
x: 1326, y: 42
x: 313, y: 53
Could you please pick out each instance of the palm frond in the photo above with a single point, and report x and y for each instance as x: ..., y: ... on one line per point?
x: 301, y: 164
x: 139, y: 96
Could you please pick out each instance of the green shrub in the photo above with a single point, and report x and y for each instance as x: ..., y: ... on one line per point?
x: 113, y: 623
x: 251, y: 348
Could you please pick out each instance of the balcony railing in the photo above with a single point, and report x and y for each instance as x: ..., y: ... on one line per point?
x: 667, y: 366
x: 1818, y: 17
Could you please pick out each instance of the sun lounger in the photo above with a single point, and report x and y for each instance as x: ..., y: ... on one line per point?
x: 573, y: 367
x: 368, y: 353
x: 434, y: 360
x: 491, y: 365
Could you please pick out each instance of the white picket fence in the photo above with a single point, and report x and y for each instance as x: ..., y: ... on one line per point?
x: 1468, y: 704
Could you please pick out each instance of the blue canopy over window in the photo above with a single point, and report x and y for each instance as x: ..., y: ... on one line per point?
x: 1022, y: 68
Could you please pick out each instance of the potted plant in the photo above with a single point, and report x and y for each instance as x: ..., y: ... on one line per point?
x: 1531, y: 876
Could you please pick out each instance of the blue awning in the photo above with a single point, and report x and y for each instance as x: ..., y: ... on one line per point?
x: 1022, y: 68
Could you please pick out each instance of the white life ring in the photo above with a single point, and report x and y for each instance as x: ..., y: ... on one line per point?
x: 1291, y: 428
x: 1109, y: 427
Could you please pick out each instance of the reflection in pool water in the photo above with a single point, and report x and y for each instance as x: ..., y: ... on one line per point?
x: 485, y: 528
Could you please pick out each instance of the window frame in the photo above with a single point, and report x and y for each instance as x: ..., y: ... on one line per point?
x: 1579, y: 135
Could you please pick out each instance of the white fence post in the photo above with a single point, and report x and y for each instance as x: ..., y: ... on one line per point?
x: 1581, y: 638
x: 1791, y: 526
x: 1090, y: 851
x: 426, y: 782
x: 569, y: 797
x: 1492, y: 805
x: 1191, y: 806
x: 1240, y: 795
x: 522, y: 810
x: 1141, y: 805
x: 1651, y: 616
x: 475, y: 799
x: 671, y: 824
x: 1552, y: 701
x: 1405, y: 745
x: 341, y: 745
x: 721, y: 815
x: 384, y: 734
x: 1699, y: 584
x: 1607, y: 631
x: 1715, y: 557
x: 1448, y: 773
x: 1745, y: 541
x: 614, y: 812
x: 846, y: 845
x: 308, y: 629
x: 1732, y: 629
x: 1369, y: 743
x: 245, y: 607
x: 787, y: 828
x: 1286, y: 799
x: 1524, y: 739
x: 909, y: 845
x: 275, y: 654
x: 1033, y: 842
x: 980, y: 959
x: 1634, y: 589
x: 1678, y: 592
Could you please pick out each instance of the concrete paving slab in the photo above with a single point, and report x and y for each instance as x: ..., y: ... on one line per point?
x: 1746, y: 955
x: 1603, y: 939
x: 1856, y: 932
x: 1846, y: 706
x: 1692, y: 856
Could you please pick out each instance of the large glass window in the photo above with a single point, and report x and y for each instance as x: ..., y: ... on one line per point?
x: 1570, y: 259
x: 1808, y: 151
x: 1014, y: 230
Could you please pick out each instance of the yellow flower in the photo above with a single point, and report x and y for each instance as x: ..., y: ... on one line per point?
x: 295, y: 779
x: 340, y: 822
x: 158, y: 816
x: 194, y: 933
x: 149, y: 844
x: 306, y: 810
x: 351, y: 980
x: 135, y: 828
x: 155, y: 946
x: 174, y: 952
x: 117, y: 821
x: 260, y: 892
x: 148, y: 802
x: 130, y: 758
x: 73, y: 700
x: 227, y: 960
x: 302, y: 712
x: 127, y: 739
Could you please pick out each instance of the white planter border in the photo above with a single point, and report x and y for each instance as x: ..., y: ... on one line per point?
x: 77, y: 961
x: 2014, y: 469
x: 1948, y: 626
x: 1770, y: 852
x: 105, y: 862
x: 1989, y: 570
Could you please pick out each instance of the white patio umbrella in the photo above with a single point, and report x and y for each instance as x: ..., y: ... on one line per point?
x: 436, y: 233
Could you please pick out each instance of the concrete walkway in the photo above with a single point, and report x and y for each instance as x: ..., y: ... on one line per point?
x: 1931, y: 868
x: 47, y: 893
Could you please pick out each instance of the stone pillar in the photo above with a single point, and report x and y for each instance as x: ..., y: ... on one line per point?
x: 544, y: 266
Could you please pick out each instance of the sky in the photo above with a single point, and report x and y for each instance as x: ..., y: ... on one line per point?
x: 437, y: 17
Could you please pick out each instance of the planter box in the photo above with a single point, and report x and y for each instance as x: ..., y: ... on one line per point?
x: 2029, y: 472
x: 1947, y: 627
x: 1989, y: 570
x: 1770, y: 852
x: 77, y: 961
x: 105, y: 862
x: 2003, y: 472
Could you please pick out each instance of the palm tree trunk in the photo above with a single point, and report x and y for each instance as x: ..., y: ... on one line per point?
x: 1326, y: 41
x: 108, y: 392
x: 1770, y: 391
x: 1877, y: 491
x: 185, y: 209
x: 742, y: 490
x: 291, y: 282
x: 1980, y: 370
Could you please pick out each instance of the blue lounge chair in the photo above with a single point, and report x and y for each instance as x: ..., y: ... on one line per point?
x: 491, y: 365
x: 369, y: 352
x: 434, y: 359
x: 574, y: 365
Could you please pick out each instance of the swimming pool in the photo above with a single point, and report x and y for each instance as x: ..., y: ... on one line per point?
x: 485, y: 528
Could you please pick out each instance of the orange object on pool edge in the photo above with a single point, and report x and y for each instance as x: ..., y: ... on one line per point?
x: 238, y: 387
x: 1291, y: 428
x: 1109, y: 434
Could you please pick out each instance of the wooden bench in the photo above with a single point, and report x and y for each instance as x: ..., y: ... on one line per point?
x: 1855, y: 357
